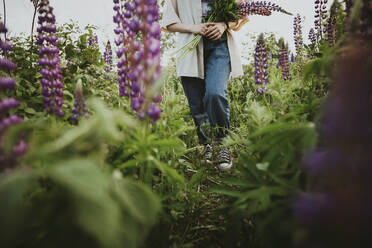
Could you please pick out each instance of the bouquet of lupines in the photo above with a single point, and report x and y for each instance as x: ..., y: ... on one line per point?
x: 231, y: 11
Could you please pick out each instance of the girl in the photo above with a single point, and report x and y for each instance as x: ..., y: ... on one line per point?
x: 205, y: 71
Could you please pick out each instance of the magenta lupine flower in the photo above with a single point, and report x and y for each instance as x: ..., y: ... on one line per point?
x: 138, y: 41
x: 51, y: 80
x: 6, y: 104
x: 312, y: 37
x: 339, y: 200
x: 260, y: 8
x: 80, y: 109
x: 320, y: 16
x: 283, y: 63
x: 260, y: 63
x: 93, y: 40
x: 107, y: 57
x: 297, y: 34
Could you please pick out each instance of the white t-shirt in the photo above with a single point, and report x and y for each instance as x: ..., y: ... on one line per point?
x: 205, y: 7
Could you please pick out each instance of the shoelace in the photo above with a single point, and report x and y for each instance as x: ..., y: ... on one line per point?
x: 208, y: 150
x: 224, y: 154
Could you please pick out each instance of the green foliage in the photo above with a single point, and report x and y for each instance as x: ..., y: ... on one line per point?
x: 268, y: 175
x: 93, y: 184
x: 78, y: 61
x: 74, y: 204
x: 68, y: 189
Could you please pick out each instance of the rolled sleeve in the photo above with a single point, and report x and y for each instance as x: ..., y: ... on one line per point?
x: 170, y: 15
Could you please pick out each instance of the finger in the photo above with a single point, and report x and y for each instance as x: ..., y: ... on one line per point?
x: 211, y: 30
x: 214, y: 33
x: 211, y: 24
x: 204, y: 25
x: 213, y: 36
x: 216, y: 37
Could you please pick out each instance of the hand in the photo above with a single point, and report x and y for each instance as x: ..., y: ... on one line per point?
x: 199, y: 28
x: 215, y: 30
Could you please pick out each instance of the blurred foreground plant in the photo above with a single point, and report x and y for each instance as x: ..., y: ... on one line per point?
x: 69, y: 197
x: 336, y: 208
x: 74, y: 204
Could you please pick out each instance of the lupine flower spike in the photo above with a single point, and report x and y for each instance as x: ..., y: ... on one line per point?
x: 80, y: 109
x: 6, y: 120
x: 260, y: 64
x: 93, y: 40
x: 139, y: 59
x: 297, y: 34
x: 49, y: 60
x: 320, y: 17
x: 312, y: 37
x: 348, y: 6
x: 107, y: 57
x: 260, y: 8
x: 331, y: 29
x: 283, y: 63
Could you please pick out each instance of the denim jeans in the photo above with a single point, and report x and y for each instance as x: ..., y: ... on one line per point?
x: 207, y: 97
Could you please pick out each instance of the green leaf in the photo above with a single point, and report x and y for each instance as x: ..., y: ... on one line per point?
x: 30, y: 111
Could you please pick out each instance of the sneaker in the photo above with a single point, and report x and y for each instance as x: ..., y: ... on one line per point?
x: 207, y: 154
x: 224, y: 161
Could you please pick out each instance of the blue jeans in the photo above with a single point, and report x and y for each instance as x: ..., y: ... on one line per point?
x: 207, y: 97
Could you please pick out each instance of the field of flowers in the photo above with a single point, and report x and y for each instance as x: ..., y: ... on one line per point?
x: 98, y: 148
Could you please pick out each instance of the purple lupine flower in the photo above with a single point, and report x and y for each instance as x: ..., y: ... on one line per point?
x: 283, y: 63
x: 297, y: 34
x: 339, y: 198
x: 138, y: 41
x: 312, y: 37
x: 260, y: 8
x: 21, y: 148
x: 260, y: 63
x: 80, y: 109
x: 320, y: 17
x: 93, y: 40
x: 51, y: 80
x: 331, y: 27
x: 310, y: 206
x: 348, y: 6
x: 7, y: 83
x: 107, y: 57
x: 7, y: 64
x: 8, y: 160
x: 331, y: 30
x: 154, y: 112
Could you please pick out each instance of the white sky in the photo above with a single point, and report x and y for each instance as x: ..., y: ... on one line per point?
x: 99, y: 13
